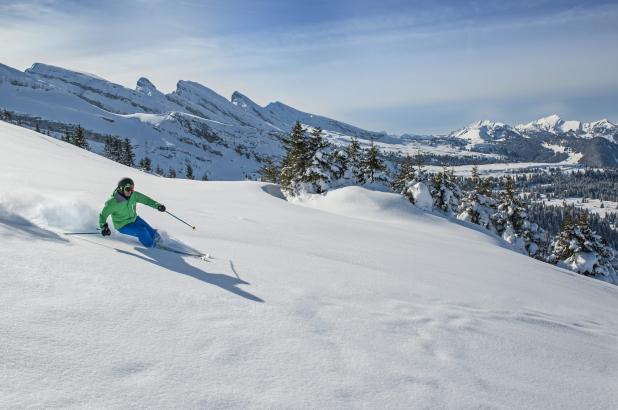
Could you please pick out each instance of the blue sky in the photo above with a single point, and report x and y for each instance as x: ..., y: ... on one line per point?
x: 399, y: 66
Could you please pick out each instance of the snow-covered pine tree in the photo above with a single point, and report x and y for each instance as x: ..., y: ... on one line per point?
x: 127, y: 155
x: 339, y: 163
x: 373, y: 168
x: 205, y: 176
x: 294, y: 165
x: 317, y: 176
x: 404, y: 174
x: 159, y: 170
x: 38, y: 127
x: 7, y: 116
x: 417, y: 189
x: 478, y: 206
x: 145, y: 164
x: 108, y: 148
x: 171, y: 173
x: 511, y: 221
x: 580, y: 249
x: 67, y: 137
x: 445, y: 191
x: 269, y: 172
x: 116, y: 150
x: 189, y: 172
x: 355, y: 160
x: 79, y: 138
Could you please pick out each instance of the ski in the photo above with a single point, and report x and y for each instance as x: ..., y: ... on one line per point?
x: 203, y: 256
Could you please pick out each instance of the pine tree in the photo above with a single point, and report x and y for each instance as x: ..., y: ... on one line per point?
x: 205, y: 177
x: 405, y: 174
x: 562, y: 242
x: 159, y: 170
x: 108, y: 148
x: 445, y: 191
x: 67, y: 137
x: 419, y: 161
x: 374, y: 169
x: 317, y: 176
x: 579, y: 248
x: 7, y: 116
x: 189, y: 171
x: 339, y: 161
x: 117, y: 150
x: 171, y: 173
x: 145, y: 164
x: 294, y: 163
x: 420, y: 183
x: 355, y: 160
x: 511, y: 221
x: 79, y: 139
x: 38, y: 128
x: 128, y: 157
x: 478, y: 206
x: 269, y: 172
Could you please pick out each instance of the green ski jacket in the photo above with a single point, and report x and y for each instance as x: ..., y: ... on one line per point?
x: 122, y: 209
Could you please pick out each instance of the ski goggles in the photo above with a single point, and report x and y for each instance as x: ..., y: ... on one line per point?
x: 127, y: 188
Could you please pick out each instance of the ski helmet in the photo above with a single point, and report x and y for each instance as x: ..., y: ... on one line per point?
x: 123, y: 183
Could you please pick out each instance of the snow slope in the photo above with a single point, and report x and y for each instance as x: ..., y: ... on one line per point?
x: 356, y: 299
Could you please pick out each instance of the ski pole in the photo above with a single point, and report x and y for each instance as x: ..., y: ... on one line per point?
x: 81, y: 233
x: 167, y: 212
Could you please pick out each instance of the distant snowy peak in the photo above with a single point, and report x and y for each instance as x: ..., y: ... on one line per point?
x: 99, y: 92
x: 191, y: 89
x: 287, y: 116
x: 144, y: 86
x: 491, y: 125
x: 553, y: 124
x: 50, y: 71
x: 483, y: 131
x: 20, y: 79
x: 601, y: 126
x: 245, y: 103
x: 200, y: 100
x: 603, y: 129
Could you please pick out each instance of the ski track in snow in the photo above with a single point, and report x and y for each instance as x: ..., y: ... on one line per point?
x: 354, y: 299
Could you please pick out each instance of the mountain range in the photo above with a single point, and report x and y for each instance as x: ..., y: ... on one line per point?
x: 228, y: 139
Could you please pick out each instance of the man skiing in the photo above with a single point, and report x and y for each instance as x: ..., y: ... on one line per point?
x: 121, y: 206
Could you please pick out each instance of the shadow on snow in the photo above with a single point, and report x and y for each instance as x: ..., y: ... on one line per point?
x: 176, y: 262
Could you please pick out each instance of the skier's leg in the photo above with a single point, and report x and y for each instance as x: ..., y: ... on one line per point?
x: 153, y: 232
x: 139, y: 231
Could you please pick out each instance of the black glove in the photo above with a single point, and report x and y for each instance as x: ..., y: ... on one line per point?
x: 161, y: 208
x: 105, y: 230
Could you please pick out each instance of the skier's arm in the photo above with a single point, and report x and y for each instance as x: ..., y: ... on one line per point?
x: 146, y: 200
x: 104, y: 214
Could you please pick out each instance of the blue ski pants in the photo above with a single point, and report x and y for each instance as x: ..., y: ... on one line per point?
x: 142, y: 231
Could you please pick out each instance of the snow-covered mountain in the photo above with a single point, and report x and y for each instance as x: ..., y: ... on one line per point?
x: 549, y: 139
x: 229, y: 139
x: 483, y: 132
x: 555, y: 125
x: 221, y: 138
x: 355, y: 299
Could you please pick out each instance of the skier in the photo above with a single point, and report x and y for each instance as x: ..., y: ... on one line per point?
x: 121, y: 206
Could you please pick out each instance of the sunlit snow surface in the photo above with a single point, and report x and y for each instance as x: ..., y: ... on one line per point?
x: 353, y: 300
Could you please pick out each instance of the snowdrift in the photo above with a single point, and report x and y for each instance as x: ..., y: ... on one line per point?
x: 352, y: 300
